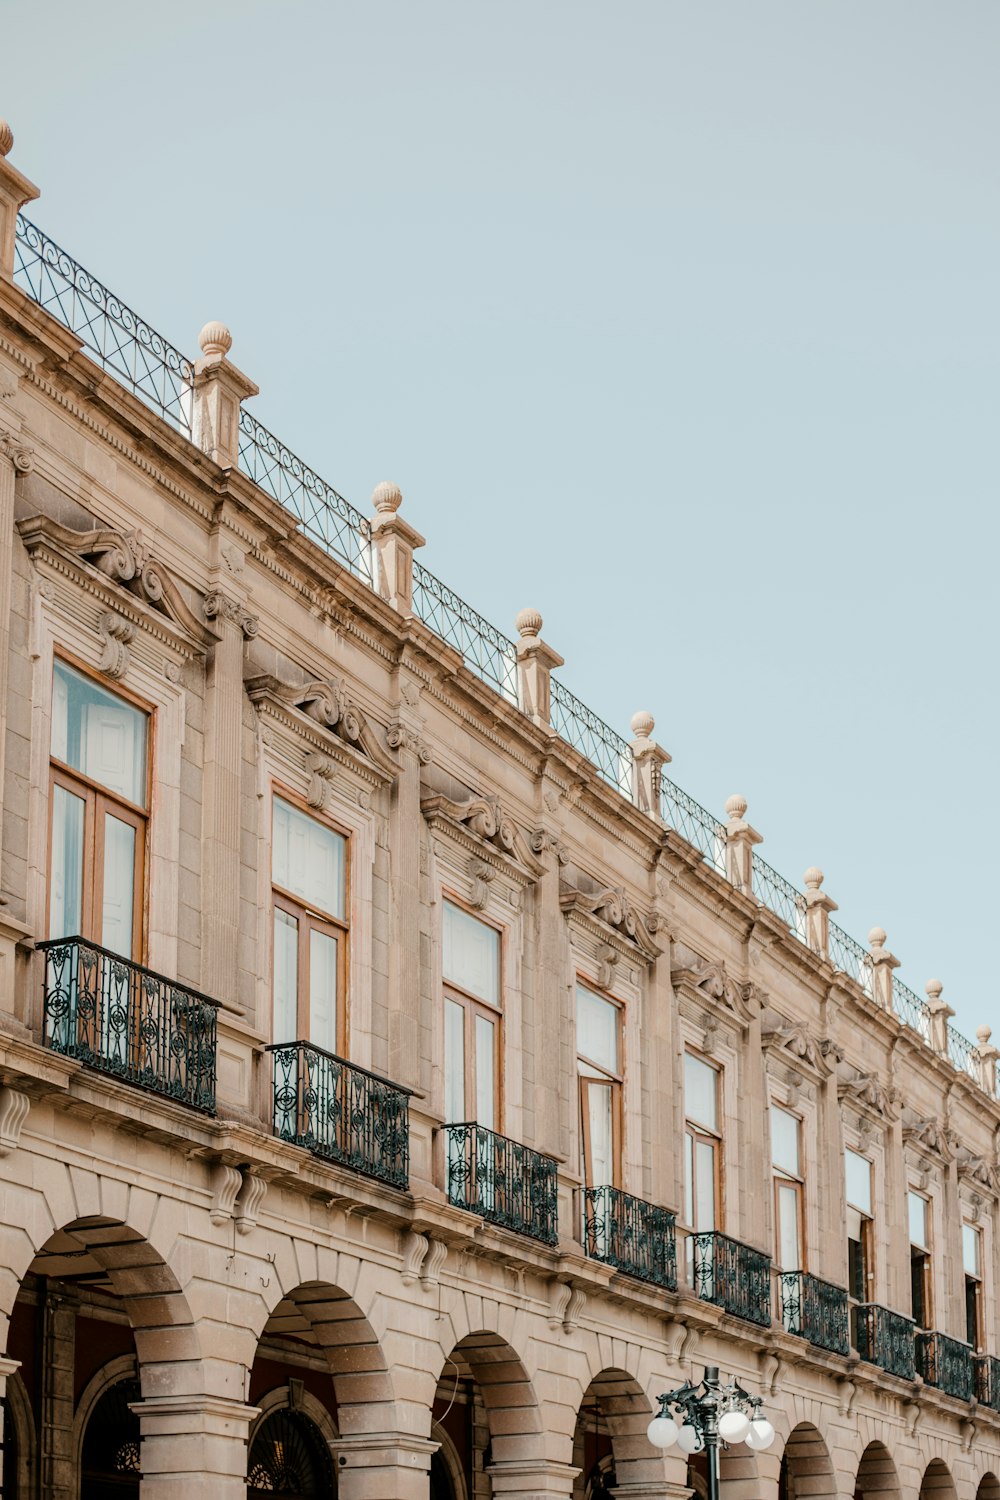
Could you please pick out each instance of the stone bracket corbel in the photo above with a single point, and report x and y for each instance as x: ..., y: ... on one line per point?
x: 226, y: 1183
x: 248, y: 1202
x: 14, y: 1108
x: 117, y: 634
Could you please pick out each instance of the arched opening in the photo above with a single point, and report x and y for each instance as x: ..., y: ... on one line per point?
x: 937, y: 1483
x: 877, y: 1478
x: 988, y: 1488
x: 110, y: 1462
x: 806, y: 1471
x: 609, y: 1444
x: 288, y: 1456
x: 484, y: 1413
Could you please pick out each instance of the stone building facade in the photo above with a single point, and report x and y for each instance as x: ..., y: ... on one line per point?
x: 403, y: 1081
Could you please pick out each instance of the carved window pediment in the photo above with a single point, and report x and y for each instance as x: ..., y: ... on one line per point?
x: 612, y: 915
x: 928, y: 1137
x: 979, y: 1172
x: 707, y: 980
x: 795, y: 1045
x: 870, y: 1096
x: 480, y: 824
x: 322, y: 713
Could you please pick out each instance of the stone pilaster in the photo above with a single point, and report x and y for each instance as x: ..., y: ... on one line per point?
x: 15, y: 192
x: 395, y: 543
x: 383, y: 1466
x: 896, y: 1236
x: 648, y: 760
x: 951, y: 1316
x: 219, y: 389
x: 16, y: 457
x: 193, y: 1446
x: 818, y: 908
x: 882, y: 963
x: 832, y: 1239
x: 740, y: 841
x: 535, y: 661
x: 549, y: 992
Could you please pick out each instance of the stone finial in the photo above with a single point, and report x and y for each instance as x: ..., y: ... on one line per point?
x: 387, y: 498
x: 15, y: 192
x: 648, y: 760
x: 986, y: 1061
x: 736, y: 806
x: 877, y: 937
x: 529, y: 623
x: 939, y: 1013
x: 215, y: 338
x: 933, y: 989
x: 740, y: 839
x: 813, y: 878
x: 535, y: 661
x: 983, y: 1034
x: 819, y: 905
x: 882, y: 963
x: 6, y: 138
x: 642, y: 724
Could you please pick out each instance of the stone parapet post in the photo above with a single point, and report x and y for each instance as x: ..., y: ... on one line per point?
x: 740, y: 841
x: 15, y: 192
x: 382, y: 1466
x: 986, y: 1061
x: 535, y: 661
x: 395, y: 543
x: 219, y: 390
x: 818, y: 908
x: 648, y: 760
x: 193, y: 1445
x: 939, y: 1013
x: 881, y: 963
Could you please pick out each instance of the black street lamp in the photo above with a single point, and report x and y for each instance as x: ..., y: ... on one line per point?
x: 707, y: 1414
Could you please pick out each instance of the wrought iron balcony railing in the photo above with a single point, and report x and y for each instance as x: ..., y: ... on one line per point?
x: 986, y: 1370
x: 505, y: 1182
x: 816, y: 1310
x: 124, y: 1020
x: 946, y: 1364
x: 885, y: 1338
x: 635, y: 1236
x: 732, y: 1275
x: 341, y: 1112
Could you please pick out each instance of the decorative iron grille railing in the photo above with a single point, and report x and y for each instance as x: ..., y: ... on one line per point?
x: 780, y: 896
x: 505, y: 1182
x: 962, y: 1054
x: 885, y: 1338
x: 734, y: 1276
x: 694, y: 823
x: 126, y: 1021
x: 946, y: 1364
x: 910, y: 1009
x: 635, y: 1236
x: 816, y: 1310
x: 324, y: 515
x: 341, y: 1112
x: 120, y: 341
x: 848, y: 955
x: 486, y: 651
x: 580, y: 727
x: 987, y: 1378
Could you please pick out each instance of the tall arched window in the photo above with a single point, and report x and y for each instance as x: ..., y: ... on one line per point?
x: 289, y: 1456
x: 111, y: 1446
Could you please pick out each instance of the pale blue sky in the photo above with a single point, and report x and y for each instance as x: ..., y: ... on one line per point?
x: 678, y: 321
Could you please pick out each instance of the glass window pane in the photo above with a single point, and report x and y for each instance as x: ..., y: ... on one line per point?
x: 599, y: 1105
x: 308, y: 860
x: 119, y: 885
x: 286, y: 977
x: 789, y: 1238
x: 485, y: 1072
x: 66, y: 894
x: 323, y: 990
x: 455, y: 1112
x: 688, y: 1178
x: 971, y: 1241
x: 858, y: 1178
x: 471, y: 956
x: 597, y: 1029
x: 919, y: 1228
x: 704, y: 1169
x: 700, y: 1091
x: 785, y: 1142
x: 98, y: 734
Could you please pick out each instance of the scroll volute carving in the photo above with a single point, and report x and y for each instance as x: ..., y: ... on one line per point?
x: 708, y: 979
x: 485, y: 819
x: 611, y: 907
x: 327, y: 702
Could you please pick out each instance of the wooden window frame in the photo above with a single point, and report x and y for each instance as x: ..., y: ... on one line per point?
x: 781, y: 1177
x: 978, y: 1283
x: 695, y: 1131
x: 617, y: 1083
x: 926, y: 1254
x: 867, y: 1241
x: 473, y: 1006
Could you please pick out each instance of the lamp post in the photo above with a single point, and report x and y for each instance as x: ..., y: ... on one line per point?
x: 705, y: 1415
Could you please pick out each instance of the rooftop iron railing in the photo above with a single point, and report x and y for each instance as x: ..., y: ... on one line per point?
x: 160, y: 375
x: 635, y: 1236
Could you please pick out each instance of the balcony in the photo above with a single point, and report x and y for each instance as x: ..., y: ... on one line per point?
x: 505, y: 1182
x: 733, y: 1276
x: 635, y: 1236
x: 986, y: 1370
x: 946, y: 1364
x: 123, y: 1020
x: 815, y: 1310
x: 885, y: 1339
x: 341, y: 1112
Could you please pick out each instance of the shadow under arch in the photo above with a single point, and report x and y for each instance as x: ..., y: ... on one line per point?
x: 610, y: 1446
x: 989, y: 1487
x: 877, y: 1478
x: 807, y: 1471
x: 937, y: 1483
x: 512, y: 1411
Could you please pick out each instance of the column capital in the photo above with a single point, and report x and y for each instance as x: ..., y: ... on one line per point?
x: 15, y: 192
x: 20, y: 455
x: 219, y: 390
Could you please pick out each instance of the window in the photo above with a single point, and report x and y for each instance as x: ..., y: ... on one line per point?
x: 972, y: 1264
x: 99, y: 801
x: 786, y: 1161
x: 860, y: 1227
x: 918, y: 1210
x: 471, y: 965
x: 309, y: 880
x: 598, y: 1048
x: 702, y: 1143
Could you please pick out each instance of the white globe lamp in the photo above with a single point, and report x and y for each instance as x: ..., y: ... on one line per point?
x: 761, y: 1433
x: 733, y: 1427
x: 688, y: 1440
x: 662, y: 1432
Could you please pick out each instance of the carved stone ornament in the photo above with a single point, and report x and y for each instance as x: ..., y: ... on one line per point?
x: 322, y: 774
x: 796, y: 1045
x: 21, y: 455
x: 246, y: 1209
x: 611, y: 907
x: 123, y: 559
x: 867, y: 1093
x: 979, y: 1171
x: 483, y: 821
x: 401, y: 737
x: 13, y: 1113
x: 220, y: 606
x: 708, y: 980
x: 117, y: 634
x: 929, y: 1136
x: 328, y: 705
x: 542, y: 841
x: 480, y: 875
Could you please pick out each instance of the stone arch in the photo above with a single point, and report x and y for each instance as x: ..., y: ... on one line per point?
x: 806, y: 1466
x: 989, y: 1487
x: 512, y: 1409
x: 280, y: 1399
x: 877, y: 1478
x: 937, y: 1483
x: 19, y: 1425
x: 122, y: 1368
x: 448, y: 1459
x: 615, y: 1407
